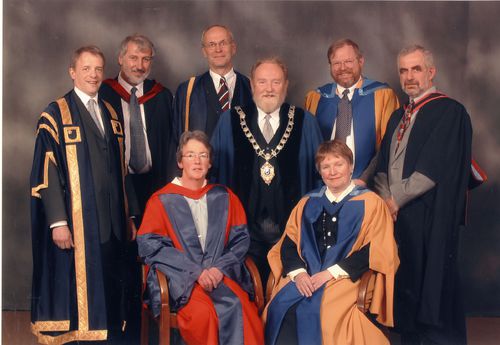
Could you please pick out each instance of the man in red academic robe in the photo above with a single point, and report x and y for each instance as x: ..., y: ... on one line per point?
x: 196, y: 234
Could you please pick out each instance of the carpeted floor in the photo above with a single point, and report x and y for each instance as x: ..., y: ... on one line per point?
x: 16, y: 329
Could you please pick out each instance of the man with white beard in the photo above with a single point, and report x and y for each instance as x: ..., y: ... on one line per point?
x: 265, y: 154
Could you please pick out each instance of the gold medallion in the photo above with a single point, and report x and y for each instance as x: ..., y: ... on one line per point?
x: 267, y: 169
x: 267, y: 172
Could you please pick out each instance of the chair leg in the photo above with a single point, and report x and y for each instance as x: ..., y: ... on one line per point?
x: 164, y: 329
x: 144, y: 326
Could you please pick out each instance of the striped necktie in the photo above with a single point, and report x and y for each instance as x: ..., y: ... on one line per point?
x: 223, y: 94
x: 405, y: 122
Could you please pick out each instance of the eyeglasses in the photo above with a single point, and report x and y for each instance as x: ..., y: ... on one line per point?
x: 192, y: 155
x: 348, y: 63
x: 213, y: 45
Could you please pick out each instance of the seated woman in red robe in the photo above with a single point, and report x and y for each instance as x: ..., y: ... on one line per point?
x: 332, y: 237
x: 196, y: 233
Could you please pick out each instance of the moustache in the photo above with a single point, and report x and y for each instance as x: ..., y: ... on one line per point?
x: 345, y: 70
x: 138, y: 70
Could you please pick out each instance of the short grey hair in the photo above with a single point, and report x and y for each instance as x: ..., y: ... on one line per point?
x: 142, y: 41
x: 193, y: 135
x: 230, y: 34
x: 428, y: 57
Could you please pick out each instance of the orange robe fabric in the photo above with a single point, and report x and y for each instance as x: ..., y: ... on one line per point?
x: 341, y: 321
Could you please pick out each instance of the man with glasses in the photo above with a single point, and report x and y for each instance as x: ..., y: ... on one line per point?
x: 196, y: 233
x: 200, y: 100
x: 353, y: 109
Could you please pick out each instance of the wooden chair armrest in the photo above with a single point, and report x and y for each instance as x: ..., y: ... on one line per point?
x: 269, y: 286
x: 256, y: 282
x: 164, y: 321
x: 365, y: 292
x: 144, y: 309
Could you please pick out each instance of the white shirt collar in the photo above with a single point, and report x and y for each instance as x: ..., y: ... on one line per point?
x: 274, y: 120
x: 340, y: 89
x: 228, y: 76
x: 329, y: 195
x: 429, y: 91
x: 84, y: 97
x: 274, y: 115
x: 177, y: 181
x: 128, y: 87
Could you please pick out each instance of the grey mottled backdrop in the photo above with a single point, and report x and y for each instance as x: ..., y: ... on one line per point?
x: 39, y: 37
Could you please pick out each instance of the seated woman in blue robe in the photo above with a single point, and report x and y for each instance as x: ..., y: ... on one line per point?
x: 332, y: 237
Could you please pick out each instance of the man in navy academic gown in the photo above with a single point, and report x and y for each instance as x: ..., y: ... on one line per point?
x: 215, y: 91
x: 265, y: 153
x: 422, y: 174
x: 78, y: 213
x: 144, y: 107
x: 154, y: 103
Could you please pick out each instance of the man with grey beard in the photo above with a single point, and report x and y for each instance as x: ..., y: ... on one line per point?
x: 265, y: 154
x: 422, y: 174
x: 144, y: 106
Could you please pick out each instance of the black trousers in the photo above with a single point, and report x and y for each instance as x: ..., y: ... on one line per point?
x: 258, y: 252
x: 113, y: 270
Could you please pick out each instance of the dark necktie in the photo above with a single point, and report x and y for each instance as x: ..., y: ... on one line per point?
x: 91, y: 106
x: 405, y: 122
x: 137, y: 140
x: 344, y: 117
x: 223, y: 94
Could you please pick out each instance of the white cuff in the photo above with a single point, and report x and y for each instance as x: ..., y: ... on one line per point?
x: 336, y: 271
x: 294, y: 273
x: 59, y: 223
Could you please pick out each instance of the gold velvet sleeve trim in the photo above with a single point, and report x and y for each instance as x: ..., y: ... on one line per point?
x: 52, y: 129
x: 53, y: 122
x: 65, y: 113
x: 49, y: 157
x: 50, y: 326
x: 54, y: 326
x: 49, y: 130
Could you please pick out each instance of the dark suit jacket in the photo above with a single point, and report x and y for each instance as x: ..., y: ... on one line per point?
x: 205, y: 108
x: 105, y: 166
x: 158, y: 115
